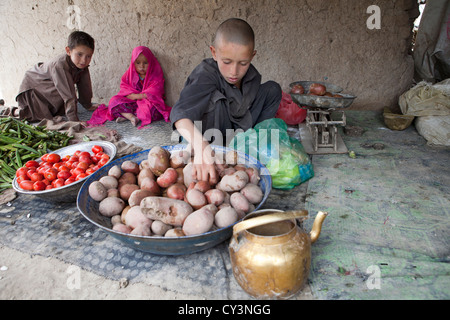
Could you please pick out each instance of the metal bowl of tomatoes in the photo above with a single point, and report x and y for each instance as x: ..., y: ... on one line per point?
x: 69, y: 168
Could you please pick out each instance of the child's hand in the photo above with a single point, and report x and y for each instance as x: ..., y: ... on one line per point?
x: 204, y: 168
x: 137, y: 96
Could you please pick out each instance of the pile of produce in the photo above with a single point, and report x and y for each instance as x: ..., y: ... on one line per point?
x: 21, y: 142
x: 315, y: 89
x: 159, y: 197
x: 54, y: 172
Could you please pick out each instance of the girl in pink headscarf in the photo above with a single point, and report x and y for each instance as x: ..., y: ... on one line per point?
x: 140, y: 98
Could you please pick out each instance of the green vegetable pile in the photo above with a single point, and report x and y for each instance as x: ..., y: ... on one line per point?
x: 20, y: 142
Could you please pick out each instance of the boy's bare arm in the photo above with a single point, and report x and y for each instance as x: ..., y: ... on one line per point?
x: 203, y: 165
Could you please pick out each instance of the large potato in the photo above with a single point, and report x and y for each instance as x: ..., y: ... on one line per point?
x: 111, y: 206
x: 239, y: 202
x: 198, y: 222
x: 115, y: 172
x: 130, y: 166
x: 135, y: 218
x: 169, y: 211
x: 150, y: 184
x: 215, y: 196
x: 158, y: 160
x: 97, y: 191
x: 195, y: 198
x: 109, y: 182
x: 127, y: 178
x: 168, y: 178
x: 159, y: 228
x: 145, y: 173
x: 137, y: 196
x: 226, y: 216
x: 233, y: 182
x: 176, y: 191
x: 253, y: 193
x: 126, y: 190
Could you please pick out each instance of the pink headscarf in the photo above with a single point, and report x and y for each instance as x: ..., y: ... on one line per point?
x: 153, y: 87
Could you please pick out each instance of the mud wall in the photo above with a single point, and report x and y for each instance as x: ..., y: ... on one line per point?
x: 361, y: 45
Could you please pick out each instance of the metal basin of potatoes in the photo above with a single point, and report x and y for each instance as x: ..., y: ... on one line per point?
x: 158, y: 244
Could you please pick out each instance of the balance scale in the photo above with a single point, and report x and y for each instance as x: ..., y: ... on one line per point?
x: 319, y: 133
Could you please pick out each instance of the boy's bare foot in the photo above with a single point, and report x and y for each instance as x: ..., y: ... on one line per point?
x: 135, y: 121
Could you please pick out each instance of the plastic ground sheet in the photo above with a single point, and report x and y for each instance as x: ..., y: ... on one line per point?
x: 387, y: 235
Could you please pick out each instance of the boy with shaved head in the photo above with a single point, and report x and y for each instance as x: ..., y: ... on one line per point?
x: 223, y: 94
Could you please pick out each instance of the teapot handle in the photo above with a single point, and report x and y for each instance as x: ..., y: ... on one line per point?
x: 268, y: 218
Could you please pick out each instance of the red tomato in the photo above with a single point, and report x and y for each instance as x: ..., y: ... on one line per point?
x: 31, y: 171
x: 90, y: 171
x: 57, y: 183
x: 21, y: 171
x: 76, y: 153
x: 49, y: 187
x: 31, y: 163
x: 95, y: 159
x: 65, y: 158
x: 85, y: 158
x: 53, y: 158
x: 51, y: 174
x: 44, y: 157
x: 47, y: 182
x: 22, y: 178
x: 36, y: 176
x: 83, y: 165
x: 77, y: 171
x: 73, y: 158
x: 39, y: 186
x: 102, y: 162
x: 96, y: 149
x: 64, y: 175
x: 75, y: 164
x: 26, y: 185
x: 69, y: 181
x: 64, y: 168
x: 81, y: 176
x: 84, y: 154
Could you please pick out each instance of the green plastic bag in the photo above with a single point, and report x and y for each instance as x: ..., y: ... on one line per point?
x: 285, y: 158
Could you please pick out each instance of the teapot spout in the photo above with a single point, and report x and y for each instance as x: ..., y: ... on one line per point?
x: 317, y: 226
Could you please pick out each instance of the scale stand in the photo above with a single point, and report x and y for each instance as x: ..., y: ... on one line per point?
x: 319, y: 133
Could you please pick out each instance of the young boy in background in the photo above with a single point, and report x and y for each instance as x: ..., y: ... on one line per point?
x: 223, y: 93
x: 48, y: 89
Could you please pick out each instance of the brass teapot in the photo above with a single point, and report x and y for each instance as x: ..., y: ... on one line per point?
x: 270, y: 254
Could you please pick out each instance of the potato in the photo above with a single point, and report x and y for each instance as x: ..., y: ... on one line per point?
x: 253, y: 193
x: 111, y: 206
x: 115, y: 172
x: 198, y: 222
x: 233, y: 182
x: 227, y: 171
x: 150, y: 185
x: 176, y: 191
x: 179, y: 159
x: 169, y: 211
x: 113, y: 193
x: 116, y: 219
x: 144, y: 164
x: 187, y: 174
x: 202, y: 186
x: 145, y: 173
x: 109, y: 182
x: 124, y: 213
x: 126, y: 190
x: 130, y: 166
x: 175, y: 232
x: 239, y: 202
x: 97, y: 191
x: 158, y: 160
x: 168, y: 178
x: 135, y: 218
x: 195, y: 198
x: 142, y: 230
x: 215, y: 196
x: 253, y: 175
x: 127, y: 178
x: 137, y: 196
x: 120, y: 227
x: 226, y: 216
x: 159, y: 228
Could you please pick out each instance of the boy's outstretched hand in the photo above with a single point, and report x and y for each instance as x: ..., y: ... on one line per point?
x: 204, y: 168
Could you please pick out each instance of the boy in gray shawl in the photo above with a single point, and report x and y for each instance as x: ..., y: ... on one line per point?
x: 223, y: 94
